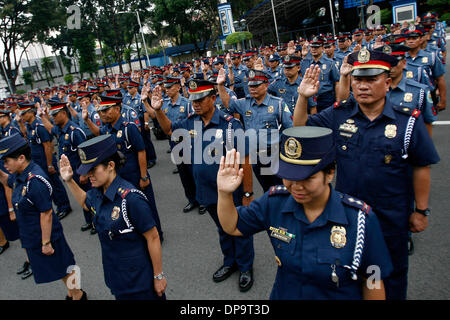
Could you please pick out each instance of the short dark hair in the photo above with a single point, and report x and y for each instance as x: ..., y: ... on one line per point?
x: 25, y: 150
x: 118, y: 158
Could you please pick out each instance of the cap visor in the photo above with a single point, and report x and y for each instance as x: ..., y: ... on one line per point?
x: 198, y: 96
x: 370, y: 72
x: 294, y: 172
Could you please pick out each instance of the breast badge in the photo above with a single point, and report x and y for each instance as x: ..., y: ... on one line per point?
x: 270, y: 109
x: 390, y: 131
x: 119, y: 134
x: 115, y: 213
x: 66, y: 136
x: 409, y: 74
x: 337, y: 237
x: 408, y: 97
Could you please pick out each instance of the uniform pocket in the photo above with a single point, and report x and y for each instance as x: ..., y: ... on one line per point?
x: 329, y: 257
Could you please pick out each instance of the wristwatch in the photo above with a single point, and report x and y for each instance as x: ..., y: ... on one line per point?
x: 144, y: 178
x: 159, y: 276
x: 425, y: 212
x: 248, y: 194
x: 44, y: 244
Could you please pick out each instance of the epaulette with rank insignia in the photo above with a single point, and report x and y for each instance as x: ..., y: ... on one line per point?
x: 338, y: 104
x: 410, y: 112
x: 30, y: 176
x: 227, y: 117
x: 356, y: 203
x: 123, y: 192
x: 280, y: 189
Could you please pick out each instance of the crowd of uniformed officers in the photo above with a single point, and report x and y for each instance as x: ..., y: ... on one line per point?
x: 356, y: 108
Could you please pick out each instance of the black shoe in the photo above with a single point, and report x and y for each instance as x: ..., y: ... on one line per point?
x: 245, y: 280
x: 86, y: 227
x: 189, y: 207
x: 69, y: 298
x: 84, y: 296
x: 223, y: 273
x: 201, y: 209
x: 25, y: 267
x: 151, y: 164
x: 4, y: 247
x: 63, y: 213
x: 175, y: 171
x: 27, y: 273
x: 410, y: 247
x: 169, y: 151
x: 93, y: 230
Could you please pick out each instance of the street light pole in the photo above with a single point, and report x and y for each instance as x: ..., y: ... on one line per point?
x: 275, y: 20
x: 143, y: 39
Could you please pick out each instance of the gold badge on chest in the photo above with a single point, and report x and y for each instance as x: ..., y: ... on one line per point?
x: 408, y: 97
x: 24, y: 190
x: 390, y: 131
x: 115, y: 213
x: 182, y: 109
x: 270, y: 109
x: 338, y: 237
x: 409, y: 74
x: 425, y: 60
x: 66, y: 136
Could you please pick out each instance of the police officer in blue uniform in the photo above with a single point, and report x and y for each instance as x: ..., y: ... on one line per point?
x: 344, y: 43
x: 177, y: 108
x: 42, y: 153
x: 274, y: 69
x: 69, y: 136
x: 6, y: 127
x: 416, y: 57
x: 238, y: 252
x: 131, y: 249
x: 384, y: 153
x: 130, y: 143
x: 40, y: 231
x: 239, y: 74
x: 84, y: 98
x: 285, y: 87
x: 266, y: 115
x: 133, y: 100
x: 325, y: 242
x: 223, y: 93
x: 329, y: 75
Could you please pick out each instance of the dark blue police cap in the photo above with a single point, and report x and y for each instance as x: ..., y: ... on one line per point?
x: 368, y: 63
x: 274, y: 57
x: 10, y: 144
x: 108, y: 102
x: 94, y: 151
x: 305, y: 151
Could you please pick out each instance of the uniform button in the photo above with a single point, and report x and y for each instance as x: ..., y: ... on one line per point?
x: 344, y: 147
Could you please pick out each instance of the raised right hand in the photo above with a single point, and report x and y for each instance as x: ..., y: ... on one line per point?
x: 157, y: 100
x: 65, y: 169
x: 310, y: 83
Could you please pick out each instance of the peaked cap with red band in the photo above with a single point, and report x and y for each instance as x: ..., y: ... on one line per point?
x: 199, y: 88
x: 108, y: 102
x: 56, y: 106
x: 368, y: 63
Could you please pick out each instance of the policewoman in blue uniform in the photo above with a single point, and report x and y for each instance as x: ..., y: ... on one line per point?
x: 238, y: 252
x: 40, y: 231
x: 325, y: 242
x: 42, y: 148
x: 131, y: 249
x: 383, y: 154
x: 130, y: 143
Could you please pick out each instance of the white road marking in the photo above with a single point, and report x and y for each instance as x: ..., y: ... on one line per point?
x: 437, y: 123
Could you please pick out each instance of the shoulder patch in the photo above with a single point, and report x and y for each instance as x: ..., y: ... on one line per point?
x: 227, y: 117
x: 276, y: 190
x: 30, y: 176
x: 410, y: 112
x: 356, y: 203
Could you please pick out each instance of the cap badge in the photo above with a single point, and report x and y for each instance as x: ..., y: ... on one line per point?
x: 115, y: 213
x: 337, y: 237
x: 412, y: 28
x: 387, y: 49
x: 287, y: 59
x: 82, y: 155
x: 251, y: 74
x: 193, y: 85
x: 363, y: 55
x: 292, y: 148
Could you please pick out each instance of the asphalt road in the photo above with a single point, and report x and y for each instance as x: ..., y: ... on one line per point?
x: 191, y: 251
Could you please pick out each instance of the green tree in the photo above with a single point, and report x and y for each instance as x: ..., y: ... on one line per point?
x: 85, y: 47
x: 442, y: 7
x: 46, y: 66
x: 28, y: 79
x: 23, y: 22
x: 68, y: 78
